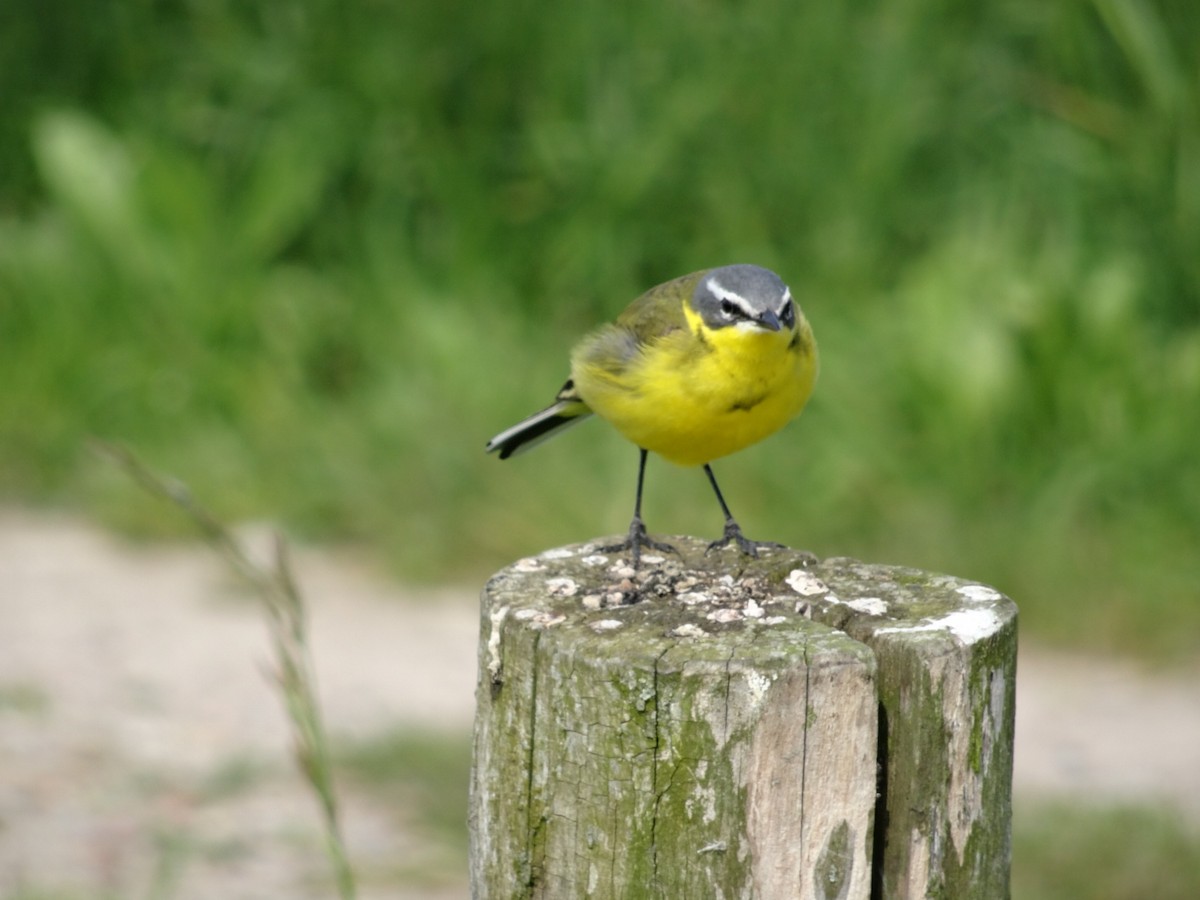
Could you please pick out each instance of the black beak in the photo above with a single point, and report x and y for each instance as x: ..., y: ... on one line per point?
x: 769, y: 320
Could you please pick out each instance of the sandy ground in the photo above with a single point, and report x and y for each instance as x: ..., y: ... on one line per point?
x: 143, y: 750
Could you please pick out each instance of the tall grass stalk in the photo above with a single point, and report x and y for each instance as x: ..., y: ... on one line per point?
x: 287, y: 619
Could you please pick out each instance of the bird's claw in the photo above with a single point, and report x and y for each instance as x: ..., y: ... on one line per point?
x: 637, y: 539
x: 733, y: 535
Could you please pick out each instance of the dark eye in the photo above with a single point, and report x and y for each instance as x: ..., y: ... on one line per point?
x: 728, y: 309
x: 787, y: 315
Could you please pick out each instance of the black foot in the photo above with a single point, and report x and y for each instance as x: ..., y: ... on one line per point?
x: 733, y: 534
x: 638, y: 538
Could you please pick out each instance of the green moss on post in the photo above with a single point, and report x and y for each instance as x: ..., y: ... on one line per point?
x: 719, y: 737
x: 947, y: 653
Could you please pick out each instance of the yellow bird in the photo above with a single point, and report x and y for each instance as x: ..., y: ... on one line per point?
x: 693, y: 370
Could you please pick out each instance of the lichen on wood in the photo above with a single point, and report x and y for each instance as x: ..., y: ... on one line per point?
x: 946, y: 651
x: 709, y: 727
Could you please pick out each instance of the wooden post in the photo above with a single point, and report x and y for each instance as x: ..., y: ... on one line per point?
x: 719, y: 737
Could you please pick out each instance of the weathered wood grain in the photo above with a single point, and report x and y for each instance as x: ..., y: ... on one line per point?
x: 718, y: 737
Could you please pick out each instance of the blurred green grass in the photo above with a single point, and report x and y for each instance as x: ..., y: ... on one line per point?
x: 310, y: 256
x: 422, y: 776
x: 1103, y: 853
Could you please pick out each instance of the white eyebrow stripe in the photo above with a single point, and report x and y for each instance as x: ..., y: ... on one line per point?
x: 737, y: 299
x: 787, y: 296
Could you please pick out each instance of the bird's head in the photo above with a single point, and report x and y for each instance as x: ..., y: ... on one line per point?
x: 748, y: 298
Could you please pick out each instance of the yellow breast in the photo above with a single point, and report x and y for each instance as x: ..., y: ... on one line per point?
x: 698, y: 394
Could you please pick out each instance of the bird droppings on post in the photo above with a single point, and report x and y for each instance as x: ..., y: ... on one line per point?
x: 805, y: 583
x: 562, y: 587
x: 765, y: 592
x: 724, y: 615
x: 539, y: 618
x: 758, y: 685
x: 872, y: 606
x: 968, y: 625
x: 704, y: 581
x: 606, y: 625
x: 980, y: 593
x: 496, y: 621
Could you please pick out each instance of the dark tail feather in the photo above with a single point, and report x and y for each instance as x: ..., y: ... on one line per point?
x: 541, y: 426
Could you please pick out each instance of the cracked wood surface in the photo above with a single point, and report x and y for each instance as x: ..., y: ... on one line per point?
x: 717, y: 737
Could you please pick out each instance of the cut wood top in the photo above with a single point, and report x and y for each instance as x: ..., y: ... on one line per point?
x: 703, y: 596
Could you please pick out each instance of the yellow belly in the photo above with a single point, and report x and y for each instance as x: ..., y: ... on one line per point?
x: 692, y: 402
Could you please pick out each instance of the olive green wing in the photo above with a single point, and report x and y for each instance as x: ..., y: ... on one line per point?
x: 651, y: 317
x: 659, y: 311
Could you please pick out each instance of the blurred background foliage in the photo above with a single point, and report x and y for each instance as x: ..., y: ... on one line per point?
x: 309, y: 255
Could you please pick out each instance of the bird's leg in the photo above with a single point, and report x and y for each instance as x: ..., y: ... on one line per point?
x: 638, y: 537
x: 733, y: 532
